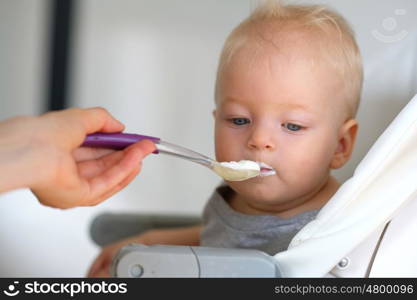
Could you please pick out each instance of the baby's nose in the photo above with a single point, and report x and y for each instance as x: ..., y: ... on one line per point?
x: 261, y: 140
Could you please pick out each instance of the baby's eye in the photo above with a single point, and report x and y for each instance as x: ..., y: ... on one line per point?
x: 240, y: 121
x: 292, y: 127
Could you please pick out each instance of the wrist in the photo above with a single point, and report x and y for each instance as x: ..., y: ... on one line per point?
x: 17, y: 163
x: 17, y: 173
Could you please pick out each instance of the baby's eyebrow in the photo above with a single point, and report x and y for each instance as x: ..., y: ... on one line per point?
x: 227, y: 100
x: 231, y: 102
x: 295, y: 106
x: 300, y: 110
x: 287, y: 106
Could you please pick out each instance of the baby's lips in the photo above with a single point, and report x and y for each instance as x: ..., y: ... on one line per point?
x: 264, y: 166
x: 266, y: 170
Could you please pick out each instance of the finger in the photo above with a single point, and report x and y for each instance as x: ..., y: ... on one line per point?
x: 110, y: 179
x: 97, y: 264
x: 145, y: 147
x: 99, y: 119
x: 118, y: 187
x: 103, y: 273
x: 92, y: 168
x: 72, y: 125
x: 89, y: 153
x: 130, y: 177
x: 94, y: 269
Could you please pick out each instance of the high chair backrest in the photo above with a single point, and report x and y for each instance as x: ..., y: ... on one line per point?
x: 372, y: 211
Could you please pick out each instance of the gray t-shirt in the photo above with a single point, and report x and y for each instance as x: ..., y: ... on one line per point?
x: 227, y: 228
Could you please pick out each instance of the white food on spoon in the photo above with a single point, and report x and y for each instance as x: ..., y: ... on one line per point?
x: 237, y: 171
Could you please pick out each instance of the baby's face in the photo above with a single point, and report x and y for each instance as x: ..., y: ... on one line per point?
x: 282, y: 112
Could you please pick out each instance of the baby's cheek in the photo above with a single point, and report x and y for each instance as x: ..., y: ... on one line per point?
x: 308, y: 170
x: 228, y: 148
x: 317, y: 156
x: 225, y: 153
x: 221, y: 148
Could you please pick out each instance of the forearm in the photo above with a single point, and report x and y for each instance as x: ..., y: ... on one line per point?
x: 186, y: 236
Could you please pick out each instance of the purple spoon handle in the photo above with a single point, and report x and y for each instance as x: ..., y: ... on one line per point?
x: 116, y: 141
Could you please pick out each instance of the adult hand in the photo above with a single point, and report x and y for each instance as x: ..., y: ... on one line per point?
x: 43, y: 153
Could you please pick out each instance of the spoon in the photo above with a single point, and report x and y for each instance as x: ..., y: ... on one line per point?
x: 232, y: 171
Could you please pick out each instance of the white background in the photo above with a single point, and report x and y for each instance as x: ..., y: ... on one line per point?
x: 152, y: 64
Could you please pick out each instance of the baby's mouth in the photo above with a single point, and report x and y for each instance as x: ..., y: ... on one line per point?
x: 266, y: 170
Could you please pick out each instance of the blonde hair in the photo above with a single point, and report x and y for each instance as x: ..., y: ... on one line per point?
x: 326, y: 27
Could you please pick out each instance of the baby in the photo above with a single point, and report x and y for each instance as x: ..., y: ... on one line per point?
x: 287, y: 92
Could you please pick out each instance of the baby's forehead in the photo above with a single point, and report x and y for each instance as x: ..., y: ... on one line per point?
x: 287, y: 44
x: 293, y: 66
x: 290, y: 87
x: 290, y: 40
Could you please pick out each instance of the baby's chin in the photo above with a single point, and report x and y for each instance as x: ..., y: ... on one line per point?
x: 258, y: 191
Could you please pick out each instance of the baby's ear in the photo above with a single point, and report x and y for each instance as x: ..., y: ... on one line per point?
x: 346, y: 142
x: 214, y: 113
